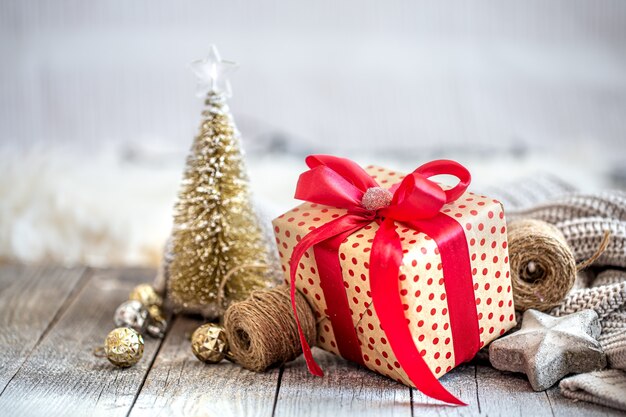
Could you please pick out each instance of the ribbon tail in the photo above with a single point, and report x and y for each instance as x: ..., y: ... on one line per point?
x: 327, y: 231
x: 385, y: 261
x: 314, y: 368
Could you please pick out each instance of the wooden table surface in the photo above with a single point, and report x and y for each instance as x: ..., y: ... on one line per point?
x: 51, y: 319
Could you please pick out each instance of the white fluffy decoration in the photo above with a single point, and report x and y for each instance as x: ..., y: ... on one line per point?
x: 76, y: 208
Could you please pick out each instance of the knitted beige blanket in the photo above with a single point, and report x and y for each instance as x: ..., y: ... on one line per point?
x: 602, y: 387
x: 607, y: 296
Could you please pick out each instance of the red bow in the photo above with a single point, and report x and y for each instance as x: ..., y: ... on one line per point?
x: 416, y: 202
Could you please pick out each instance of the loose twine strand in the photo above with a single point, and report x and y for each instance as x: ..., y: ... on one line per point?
x: 99, y: 352
x: 606, y: 240
x: 222, y: 288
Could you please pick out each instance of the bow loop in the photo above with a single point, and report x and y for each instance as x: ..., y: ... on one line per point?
x: 349, y: 170
x: 416, y: 198
x: 447, y: 167
x: 323, y: 185
x: 333, y: 181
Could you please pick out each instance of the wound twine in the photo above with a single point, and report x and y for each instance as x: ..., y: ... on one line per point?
x: 262, y: 331
x: 543, y: 268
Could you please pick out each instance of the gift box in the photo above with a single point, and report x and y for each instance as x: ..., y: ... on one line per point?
x: 406, y: 277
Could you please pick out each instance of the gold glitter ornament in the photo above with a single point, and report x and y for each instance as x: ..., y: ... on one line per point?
x: 215, y: 228
x: 146, y: 295
x: 123, y: 347
x: 209, y: 343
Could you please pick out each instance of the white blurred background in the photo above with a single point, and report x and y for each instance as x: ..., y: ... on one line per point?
x: 97, y: 104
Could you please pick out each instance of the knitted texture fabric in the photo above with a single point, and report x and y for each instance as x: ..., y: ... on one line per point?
x: 605, y: 204
x: 601, y: 387
x: 608, y: 277
x: 583, y: 219
x: 584, y: 236
x: 613, y: 337
x: 528, y: 192
x: 607, y: 297
x: 604, y: 300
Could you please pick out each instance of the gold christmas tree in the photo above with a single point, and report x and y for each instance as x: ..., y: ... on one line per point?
x: 217, y: 243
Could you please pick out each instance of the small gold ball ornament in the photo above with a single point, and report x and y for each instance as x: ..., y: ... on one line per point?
x: 146, y: 295
x: 209, y: 343
x: 123, y: 347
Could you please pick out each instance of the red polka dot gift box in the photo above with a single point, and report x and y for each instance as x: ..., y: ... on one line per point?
x: 406, y: 277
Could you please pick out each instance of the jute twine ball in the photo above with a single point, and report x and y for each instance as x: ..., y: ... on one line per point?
x: 543, y: 268
x: 262, y: 332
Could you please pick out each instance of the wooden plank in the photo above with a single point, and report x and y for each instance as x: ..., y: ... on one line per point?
x: 179, y: 384
x: 31, y: 298
x: 462, y: 383
x: 51, y: 318
x: 345, y: 389
x: 565, y: 407
x: 508, y: 394
x: 62, y: 376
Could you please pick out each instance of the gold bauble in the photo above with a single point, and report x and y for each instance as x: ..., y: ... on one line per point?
x: 209, y: 343
x: 123, y: 347
x: 146, y: 295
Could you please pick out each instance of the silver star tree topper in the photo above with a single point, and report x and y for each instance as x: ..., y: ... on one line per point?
x: 213, y: 73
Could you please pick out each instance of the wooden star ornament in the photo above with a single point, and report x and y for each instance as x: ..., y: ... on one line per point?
x: 548, y: 348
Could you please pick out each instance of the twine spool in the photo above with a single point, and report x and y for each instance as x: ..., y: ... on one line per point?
x: 543, y: 268
x: 262, y: 331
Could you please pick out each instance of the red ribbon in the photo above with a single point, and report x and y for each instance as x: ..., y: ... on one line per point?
x: 416, y: 203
